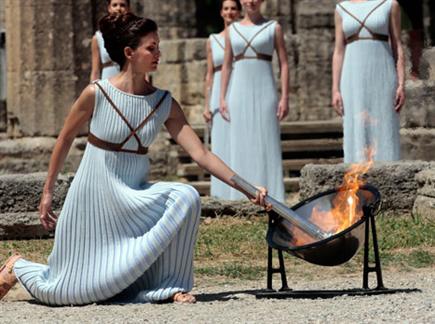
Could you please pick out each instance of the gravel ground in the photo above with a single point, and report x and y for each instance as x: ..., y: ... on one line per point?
x: 235, y: 302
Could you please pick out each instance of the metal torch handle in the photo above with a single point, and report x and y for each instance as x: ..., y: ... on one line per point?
x: 283, y: 211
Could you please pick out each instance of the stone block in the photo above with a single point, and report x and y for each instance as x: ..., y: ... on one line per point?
x: 419, y: 109
x: 427, y: 66
x: 396, y: 181
x: 424, y: 207
x: 21, y: 193
x: 426, y: 183
x: 21, y: 226
x: 417, y: 144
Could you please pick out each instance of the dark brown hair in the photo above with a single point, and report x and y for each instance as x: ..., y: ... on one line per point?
x: 109, y: 1
x: 238, y: 5
x: 124, y: 30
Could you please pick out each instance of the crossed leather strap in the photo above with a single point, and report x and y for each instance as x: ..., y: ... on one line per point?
x: 356, y: 36
x: 260, y: 56
x: 217, y: 68
x: 118, y: 147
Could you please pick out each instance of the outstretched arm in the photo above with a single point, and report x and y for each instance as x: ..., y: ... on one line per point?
x: 79, y: 115
x: 96, y: 64
x: 396, y: 45
x: 184, y: 135
x: 225, y: 75
x: 208, y: 84
x: 337, y: 65
x: 283, y: 65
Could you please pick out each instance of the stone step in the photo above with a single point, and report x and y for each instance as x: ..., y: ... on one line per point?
x: 295, y: 128
x: 296, y: 146
x: 192, y: 169
x: 203, y: 187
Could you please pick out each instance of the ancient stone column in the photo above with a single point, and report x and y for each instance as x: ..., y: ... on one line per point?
x: 41, y: 75
x: 176, y: 18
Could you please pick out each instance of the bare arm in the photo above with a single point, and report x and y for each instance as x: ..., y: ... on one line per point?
x: 396, y: 45
x: 337, y: 65
x: 283, y: 64
x: 96, y: 63
x: 226, y: 74
x: 208, y: 83
x: 184, y: 135
x: 79, y: 115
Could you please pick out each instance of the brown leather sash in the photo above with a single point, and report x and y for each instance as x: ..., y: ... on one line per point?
x: 258, y: 56
x: 374, y: 36
x: 118, y: 147
x: 378, y: 37
x: 217, y: 68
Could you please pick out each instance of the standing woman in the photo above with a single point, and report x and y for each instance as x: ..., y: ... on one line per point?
x: 252, y: 104
x: 103, y: 66
x: 368, y: 78
x: 220, y: 137
x: 119, y: 237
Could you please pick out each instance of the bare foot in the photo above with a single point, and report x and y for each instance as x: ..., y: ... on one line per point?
x: 184, y: 298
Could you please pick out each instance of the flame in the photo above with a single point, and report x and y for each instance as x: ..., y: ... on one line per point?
x: 345, y: 210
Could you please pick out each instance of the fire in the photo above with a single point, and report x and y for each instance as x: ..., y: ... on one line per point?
x: 345, y: 210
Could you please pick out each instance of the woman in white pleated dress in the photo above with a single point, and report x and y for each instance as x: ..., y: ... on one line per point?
x: 369, y: 78
x: 250, y: 101
x: 220, y: 136
x: 103, y: 67
x: 120, y: 238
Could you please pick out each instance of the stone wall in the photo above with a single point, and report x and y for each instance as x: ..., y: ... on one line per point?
x: 397, y: 182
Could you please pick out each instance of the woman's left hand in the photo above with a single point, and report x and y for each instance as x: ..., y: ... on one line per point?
x: 400, y: 98
x: 282, y: 109
x: 260, y: 198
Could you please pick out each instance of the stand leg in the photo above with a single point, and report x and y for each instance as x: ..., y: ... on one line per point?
x: 269, y: 268
x: 284, y: 285
x: 370, y: 222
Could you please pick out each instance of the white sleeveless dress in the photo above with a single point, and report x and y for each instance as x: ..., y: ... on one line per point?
x: 368, y: 83
x: 112, y: 67
x: 253, y: 104
x: 220, y: 131
x: 119, y: 238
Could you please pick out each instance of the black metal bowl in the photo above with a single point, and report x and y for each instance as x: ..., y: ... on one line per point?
x: 336, y: 249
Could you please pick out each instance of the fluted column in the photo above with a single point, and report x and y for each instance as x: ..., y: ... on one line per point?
x: 41, y: 80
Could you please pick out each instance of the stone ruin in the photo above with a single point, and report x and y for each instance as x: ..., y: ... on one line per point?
x: 48, y: 64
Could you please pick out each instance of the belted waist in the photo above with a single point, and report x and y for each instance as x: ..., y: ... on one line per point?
x: 114, y: 147
x: 378, y: 37
x: 258, y: 56
x: 107, y: 64
x: 217, y: 68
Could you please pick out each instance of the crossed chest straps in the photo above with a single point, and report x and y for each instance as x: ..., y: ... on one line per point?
x: 242, y: 56
x: 373, y: 36
x: 118, y: 147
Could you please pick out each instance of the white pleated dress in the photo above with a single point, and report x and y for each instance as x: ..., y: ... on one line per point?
x: 220, y: 131
x: 119, y: 238
x: 111, y: 68
x: 253, y: 104
x: 368, y: 83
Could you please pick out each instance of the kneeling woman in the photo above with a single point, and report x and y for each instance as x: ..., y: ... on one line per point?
x: 120, y: 238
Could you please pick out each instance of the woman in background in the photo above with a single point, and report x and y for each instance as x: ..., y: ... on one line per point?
x: 103, y: 66
x: 251, y: 103
x: 220, y: 137
x: 369, y: 78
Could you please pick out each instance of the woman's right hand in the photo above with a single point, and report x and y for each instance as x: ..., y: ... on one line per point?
x: 46, y: 215
x: 260, y: 198
x: 337, y: 103
x: 223, y: 109
x: 207, y: 115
